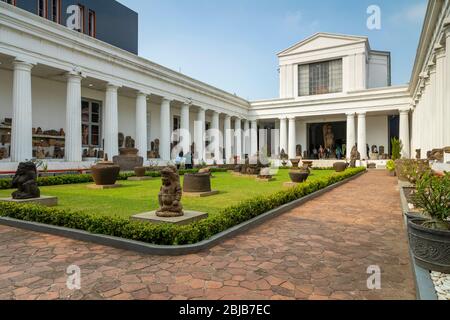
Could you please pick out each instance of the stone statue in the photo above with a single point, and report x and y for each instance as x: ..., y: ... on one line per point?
x: 129, y: 142
x: 298, y: 150
x: 121, y: 139
x: 170, y: 194
x: 283, y: 155
x: 436, y: 155
x: 328, y: 136
x: 418, y: 154
x: 25, y: 181
x: 354, y: 155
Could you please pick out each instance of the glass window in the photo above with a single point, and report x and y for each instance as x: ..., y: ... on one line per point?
x: 56, y: 11
x: 91, y: 123
x: 320, y: 78
x: 42, y: 8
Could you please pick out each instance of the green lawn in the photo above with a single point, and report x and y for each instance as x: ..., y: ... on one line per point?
x: 137, y: 197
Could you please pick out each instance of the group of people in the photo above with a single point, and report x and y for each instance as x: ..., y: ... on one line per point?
x: 326, y: 153
x: 185, y: 159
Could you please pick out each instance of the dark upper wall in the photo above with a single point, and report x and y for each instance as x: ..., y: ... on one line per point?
x: 116, y: 24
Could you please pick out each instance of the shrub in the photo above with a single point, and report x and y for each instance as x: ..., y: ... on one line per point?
x: 397, y: 147
x: 414, y: 170
x: 433, y: 198
x: 390, y: 165
x: 166, y: 234
x: 86, y: 178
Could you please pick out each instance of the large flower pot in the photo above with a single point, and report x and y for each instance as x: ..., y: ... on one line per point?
x: 431, y: 248
x: 340, y: 166
x: 105, y: 173
x: 197, y: 183
x: 139, y: 171
x: 298, y: 176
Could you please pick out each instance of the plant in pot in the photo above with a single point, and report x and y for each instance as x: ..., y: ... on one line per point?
x: 390, y: 166
x: 430, y: 237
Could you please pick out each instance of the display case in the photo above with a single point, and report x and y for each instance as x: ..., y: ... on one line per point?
x: 5, y: 139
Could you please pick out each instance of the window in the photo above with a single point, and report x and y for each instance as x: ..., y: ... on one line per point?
x: 42, y: 8
x: 13, y: 2
x: 81, y: 19
x: 320, y: 78
x: 92, y: 23
x: 56, y: 11
x: 91, y: 123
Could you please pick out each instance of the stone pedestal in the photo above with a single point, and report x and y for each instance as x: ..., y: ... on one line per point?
x: 200, y: 194
x: 46, y: 201
x: 290, y: 184
x: 139, y: 178
x: 188, y: 218
x: 103, y: 187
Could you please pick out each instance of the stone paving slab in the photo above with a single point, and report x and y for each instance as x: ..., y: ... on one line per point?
x: 320, y: 250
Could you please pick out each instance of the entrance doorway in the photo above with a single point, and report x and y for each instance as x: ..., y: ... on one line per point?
x: 316, y: 139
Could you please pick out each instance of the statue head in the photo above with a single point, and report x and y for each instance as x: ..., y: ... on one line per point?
x: 169, y: 176
x: 26, y: 167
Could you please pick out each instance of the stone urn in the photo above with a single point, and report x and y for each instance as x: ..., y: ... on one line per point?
x: 128, y: 159
x: 105, y: 173
x: 139, y: 171
x: 197, y: 183
x: 340, y: 166
x: 307, y: 164
x: 298, y: 176
x: 295, y: 163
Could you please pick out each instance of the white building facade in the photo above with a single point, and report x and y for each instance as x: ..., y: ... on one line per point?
x: 65, y: 96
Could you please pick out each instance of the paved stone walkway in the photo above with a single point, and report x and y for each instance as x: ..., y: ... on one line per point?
x: 320, y: 250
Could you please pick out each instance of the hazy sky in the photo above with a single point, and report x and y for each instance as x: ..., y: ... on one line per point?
x: 232, y: 44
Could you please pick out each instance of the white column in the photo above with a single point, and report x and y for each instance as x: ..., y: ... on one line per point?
x: 440, y: 95
x: 432, y: 108
x: 362, y: 141
x: 73, y: 143
x: 216, y: 137
x: 199, y: 135
x: 292, y: 152
x: 247, y: 144
x: 185, y: 133
x: 404, y: 133
x: 21, y: 132
x: 228, y: 138
x: 141, y: 124
x: 111, y: 122
x: 254, y: 138
x: 238, y: 138
x: 351, y: 133
x: 446, y: 118
x: 165, y: 127
x: 283, y: 135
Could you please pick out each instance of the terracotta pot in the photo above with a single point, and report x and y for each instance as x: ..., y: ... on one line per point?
x: 139, y: 171
x: 298, y: 176
x: 195, y: 183
x: 105, y: 173
x: 340, y: 166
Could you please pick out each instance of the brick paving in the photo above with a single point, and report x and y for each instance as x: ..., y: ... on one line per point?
x: 320, y: 250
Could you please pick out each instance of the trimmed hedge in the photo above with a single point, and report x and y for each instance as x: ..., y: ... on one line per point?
x: 86, y: 178
x: 166, y: 234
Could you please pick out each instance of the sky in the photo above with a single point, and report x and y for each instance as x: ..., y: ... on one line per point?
x: 232, y: 44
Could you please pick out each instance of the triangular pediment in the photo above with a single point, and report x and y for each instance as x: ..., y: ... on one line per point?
x: 321, y: 41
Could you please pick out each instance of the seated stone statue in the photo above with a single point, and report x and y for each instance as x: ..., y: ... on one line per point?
x: 25, y: 181
x: 170, y: 194
x: 354, y: 156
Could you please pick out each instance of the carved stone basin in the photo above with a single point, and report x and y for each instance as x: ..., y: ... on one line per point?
x: 197, y: 183
x: 340, y: 166
x: 105, y: 173
x: 295, y: 163
x: 298, y: 176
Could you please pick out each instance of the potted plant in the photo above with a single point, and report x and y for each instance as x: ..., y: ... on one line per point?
x: 390, y: 166
x: 430, y: 238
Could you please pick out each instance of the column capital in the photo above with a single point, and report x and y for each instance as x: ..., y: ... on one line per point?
x: 112, y: 87
x: 350, y: 114
x: 292, y: 119
x: 404, y: 111
x: 141, y: 94
x: 362, y: 114
x: 20, y: 64
x: 71, y: 75
x: 166, y: 100
x: 439, y: 50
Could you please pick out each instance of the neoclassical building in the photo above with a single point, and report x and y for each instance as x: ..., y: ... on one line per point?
x: 66, y: 94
